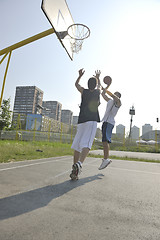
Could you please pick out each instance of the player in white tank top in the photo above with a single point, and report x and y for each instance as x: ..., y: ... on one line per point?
x: 108, y: 120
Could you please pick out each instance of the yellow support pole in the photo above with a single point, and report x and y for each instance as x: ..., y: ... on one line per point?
x: 139, y: 138
x: 18, y: 45
x: 156, y: 145
x: 4, y: 80
x: 3, y: 58
x: 61, y: 132
x: 35, y: 123
x: 124, y: 138
x: 26, y: 41
x: 49, y: 130
x: 71, y: 133
x: 18, y: 126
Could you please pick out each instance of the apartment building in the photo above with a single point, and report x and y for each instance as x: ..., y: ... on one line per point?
x: 146, y: 128
x: 67, y: 116
x: 28, y: 100
x: 52, y: 109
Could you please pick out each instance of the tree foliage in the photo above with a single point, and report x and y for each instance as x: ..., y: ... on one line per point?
x: 5, y: 115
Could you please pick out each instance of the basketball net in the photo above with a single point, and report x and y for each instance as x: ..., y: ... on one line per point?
x: 78, y: 32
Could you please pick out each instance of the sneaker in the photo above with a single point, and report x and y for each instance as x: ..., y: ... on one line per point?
x: 104, y: 164
x: 76, y: 170
x: 73, y: 176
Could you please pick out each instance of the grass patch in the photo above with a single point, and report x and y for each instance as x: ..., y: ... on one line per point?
x: 125, y: 158
x: 133, y: 147
x: 11, y: 151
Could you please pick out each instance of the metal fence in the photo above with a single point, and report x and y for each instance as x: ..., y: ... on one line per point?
x: 22, y: 135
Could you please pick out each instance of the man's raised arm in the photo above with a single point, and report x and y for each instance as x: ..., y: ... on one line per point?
x: 78, y: 86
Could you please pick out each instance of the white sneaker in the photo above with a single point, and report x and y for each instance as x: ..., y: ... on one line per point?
x: 76, y: 170
x: 104, y: 164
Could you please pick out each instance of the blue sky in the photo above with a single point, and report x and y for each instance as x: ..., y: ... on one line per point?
x: 124, y: 43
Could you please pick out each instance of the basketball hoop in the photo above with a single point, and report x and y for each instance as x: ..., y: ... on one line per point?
x: 78, y: 32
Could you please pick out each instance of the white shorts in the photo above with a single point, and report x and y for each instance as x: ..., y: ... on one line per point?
x: 85, y: 135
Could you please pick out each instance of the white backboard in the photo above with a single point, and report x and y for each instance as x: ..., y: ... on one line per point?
x: 59, y: 16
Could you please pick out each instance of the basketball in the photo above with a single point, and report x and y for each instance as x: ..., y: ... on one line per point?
x: 107, y: 80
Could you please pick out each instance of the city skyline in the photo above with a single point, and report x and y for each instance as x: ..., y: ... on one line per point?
x: 51, y: 102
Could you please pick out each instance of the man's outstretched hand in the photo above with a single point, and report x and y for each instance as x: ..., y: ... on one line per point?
x: 98, y: 73
x: 81, y: 72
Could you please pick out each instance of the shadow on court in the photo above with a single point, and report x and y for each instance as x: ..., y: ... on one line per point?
x: 26, y: 202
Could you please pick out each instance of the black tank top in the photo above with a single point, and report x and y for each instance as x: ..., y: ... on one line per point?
x: 89, y: 106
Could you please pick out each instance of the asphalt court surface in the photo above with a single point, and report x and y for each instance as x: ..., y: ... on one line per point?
x: 39, y: 201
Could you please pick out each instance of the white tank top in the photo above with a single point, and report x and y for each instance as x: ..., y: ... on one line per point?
x: 110, y: 113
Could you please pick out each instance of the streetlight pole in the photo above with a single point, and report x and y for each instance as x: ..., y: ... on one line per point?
x: 156, y: 135
x: 131, y: 112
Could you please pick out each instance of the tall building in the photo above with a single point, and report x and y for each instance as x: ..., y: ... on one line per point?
x: 75, y: 120
x: 67, y: 116
x: 120, y: 130
x: 135, y: 133
x: 28, y: 99
x: 52, y: 109
x: 152, y: 135
x: 146, y: 128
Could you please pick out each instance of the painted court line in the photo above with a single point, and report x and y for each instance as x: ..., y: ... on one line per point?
x: 37, y: 163
x: 31, y: 164
x: 87, y: 163
x: 124, y: 169
x: 61, y: 174
x: 137, y: 171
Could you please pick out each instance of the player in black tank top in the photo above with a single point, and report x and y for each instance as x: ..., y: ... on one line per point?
x: 88, y: 113
x: 89, y: 106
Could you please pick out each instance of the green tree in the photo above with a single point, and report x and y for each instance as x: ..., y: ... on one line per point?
x: 5, y: 115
